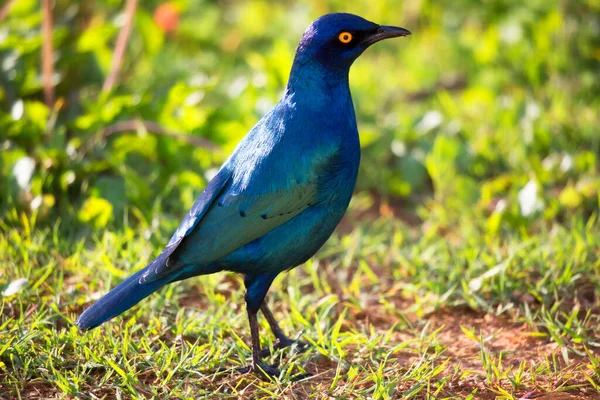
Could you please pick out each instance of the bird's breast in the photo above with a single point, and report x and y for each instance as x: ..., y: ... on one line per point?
x: 338, y: 178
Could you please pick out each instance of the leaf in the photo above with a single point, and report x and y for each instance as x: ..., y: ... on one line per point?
x: 570, y: 197
x: 152, y: 35
x: 96, y: 211
x: 118, y: 369
x: 112, y: 189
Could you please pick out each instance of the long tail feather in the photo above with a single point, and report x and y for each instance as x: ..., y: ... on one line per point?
x: 127, y: 294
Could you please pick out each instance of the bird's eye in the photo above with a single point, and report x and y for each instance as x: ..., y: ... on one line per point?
x: 345, y: 37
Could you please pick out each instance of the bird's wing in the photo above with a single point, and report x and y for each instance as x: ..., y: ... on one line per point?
x: 221, y: 222
x: 189, y: 222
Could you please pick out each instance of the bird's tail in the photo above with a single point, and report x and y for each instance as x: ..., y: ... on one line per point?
x: 126, y: 295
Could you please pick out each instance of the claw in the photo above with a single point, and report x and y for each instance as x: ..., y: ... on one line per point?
x: 267, y: 372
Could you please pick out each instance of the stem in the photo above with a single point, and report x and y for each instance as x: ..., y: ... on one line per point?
x: 120, y: 47
x: 6, y: 8
x: 47, y: 59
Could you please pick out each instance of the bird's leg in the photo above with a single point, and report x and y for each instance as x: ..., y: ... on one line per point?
x: 256, y: 290
x: 257, y: 365
x: 282, y: 340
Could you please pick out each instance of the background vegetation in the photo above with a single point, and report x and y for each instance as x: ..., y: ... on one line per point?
x: 478, y: 196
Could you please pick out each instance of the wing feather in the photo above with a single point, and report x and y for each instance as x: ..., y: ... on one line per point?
x: 189, y: 222
x: 220, y: 224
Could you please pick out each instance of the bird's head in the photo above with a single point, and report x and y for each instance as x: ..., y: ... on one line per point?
x: 336, y: 40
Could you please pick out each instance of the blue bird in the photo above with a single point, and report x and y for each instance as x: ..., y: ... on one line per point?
x: 282, y: 192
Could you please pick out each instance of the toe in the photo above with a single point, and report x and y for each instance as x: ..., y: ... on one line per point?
x: 266, y: 352
x: 285, y: 341
x: 266, y: 371
x: 302, y: 346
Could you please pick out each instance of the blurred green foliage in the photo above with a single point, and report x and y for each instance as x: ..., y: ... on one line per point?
x: 490, y: 109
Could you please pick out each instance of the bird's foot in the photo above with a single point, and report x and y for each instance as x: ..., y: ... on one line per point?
x: 282, y: 343
x: 264, y: 371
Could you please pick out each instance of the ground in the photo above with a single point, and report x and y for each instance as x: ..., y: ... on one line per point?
x: 390, y: 311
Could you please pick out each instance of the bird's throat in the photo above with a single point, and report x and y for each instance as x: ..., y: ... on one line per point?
x: 311, y: 79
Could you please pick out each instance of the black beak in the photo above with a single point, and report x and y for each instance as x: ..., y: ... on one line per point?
x: 385, y: 32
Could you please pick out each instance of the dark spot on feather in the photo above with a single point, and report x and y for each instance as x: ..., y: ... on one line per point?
x: 242, y: 213
x: 264, y: 216
x: 220, y: 203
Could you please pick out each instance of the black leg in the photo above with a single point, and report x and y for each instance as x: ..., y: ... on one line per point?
x: 256, y: 290
x: 282, y: 340
x: 257, y: 365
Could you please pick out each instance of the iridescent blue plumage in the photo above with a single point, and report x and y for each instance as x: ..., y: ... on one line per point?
x: 282, y: 192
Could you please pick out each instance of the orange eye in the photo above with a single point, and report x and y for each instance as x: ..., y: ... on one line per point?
x: 345, y: 37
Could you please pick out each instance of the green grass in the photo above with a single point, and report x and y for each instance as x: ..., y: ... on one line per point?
x: 389, y: 309
x: 472, y: 272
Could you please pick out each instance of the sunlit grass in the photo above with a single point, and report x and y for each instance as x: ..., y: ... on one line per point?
x: 387, y: 311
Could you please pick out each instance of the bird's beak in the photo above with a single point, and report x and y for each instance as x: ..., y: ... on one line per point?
x: 385, y: 32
